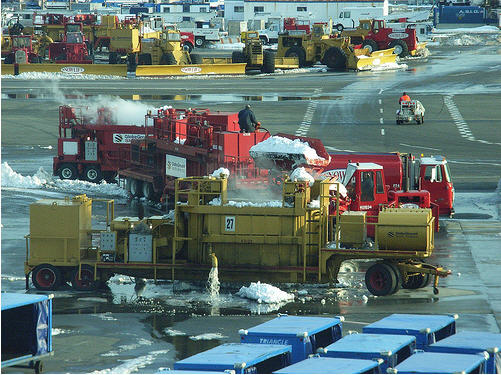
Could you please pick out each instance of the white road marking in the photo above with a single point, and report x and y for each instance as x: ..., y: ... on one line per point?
x: 380, y: 110
x: 308, y: 116
x: 337, y: 149
x: 424, y: 148
x: 462, y: 126
x: 380, y: 101
x: 381, y: 121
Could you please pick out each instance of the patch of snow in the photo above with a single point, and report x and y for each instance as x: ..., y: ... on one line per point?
x: 221, y: 172
x: 386, y: 67
x: 314, y: 204
x: 284, y: 146
x: 173, y: 332
x: 59, y: 331
x: 46, y: 147
x: 60, y: 76
x: 44, y: 180
x: 300, y: 174
x: 240, y: 204
x: 469, y: 30
x: 264, y: 293
x: 235, y: 46
x: 132, y: 365
x: 105, y: 316
x: 208, y: 336
x: 343, y: 192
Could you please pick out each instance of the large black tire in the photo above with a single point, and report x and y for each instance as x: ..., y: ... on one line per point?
x: 339, y: 27
x: 268, y: 62
x: 113, y: 58
x: 144, y: 59
x: 68, y: 172
x: 149, y: 192
x: 199, y: 42
x: 370, y: 44
x: 401, y: 48
x: 34, y: 59
x: 168, y: 59
x: 93, y: 173
x: 46, y: 277
x: 264, y: 39
x: 398, y: 276
x: 135, y: 187
x: 110, y: 177
x: 131, y: 62
x: 86, y: 280
x: 9, y: 59
x: 196, y: 58
x: 420, y: 280
x: 380, y: 279
x: 296, y: 51
x: 238, y: 57
x: 335, y: 58
x: 38, y: 367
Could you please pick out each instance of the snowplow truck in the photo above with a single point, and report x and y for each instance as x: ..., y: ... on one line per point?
x: 323, y: 46
x: 166, y: 50
x: 22, y: 51
x: 374, y: 35
x: 253, y: 54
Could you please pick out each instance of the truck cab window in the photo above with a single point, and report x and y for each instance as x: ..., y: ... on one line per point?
x: 367, y: 187
x: 379, y: 183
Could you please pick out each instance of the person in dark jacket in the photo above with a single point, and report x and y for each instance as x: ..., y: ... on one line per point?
x: 247, y: 120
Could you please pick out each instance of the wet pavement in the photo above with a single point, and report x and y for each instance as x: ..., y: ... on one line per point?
x: 131, y: 327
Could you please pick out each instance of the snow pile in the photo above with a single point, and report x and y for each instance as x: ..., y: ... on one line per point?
x: 264, y: 293
x: 43, y: 180
x: 221, y: 172
x: 133, y: 365
x: 300, y: 174
x: 463, y: 40
x: 235, y: 46
x: 314, y: 204
x: 208, y: 336
x: 284, y: 146
x: 173, y: 332
x: 240, y: 204
x: 385, y: 67
x: 342, y: 189
x: 469, y: 30
x: 60, y: 76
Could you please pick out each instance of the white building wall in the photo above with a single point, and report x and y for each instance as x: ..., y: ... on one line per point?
x: 229, y: 10
x: 318, y: 11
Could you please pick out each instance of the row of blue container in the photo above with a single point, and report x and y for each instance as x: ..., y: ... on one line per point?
x: 399, y: 343
x: 463, y: 14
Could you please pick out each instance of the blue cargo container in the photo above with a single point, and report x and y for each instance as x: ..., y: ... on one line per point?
x: 169, y: 371
x: 458, y: 14
x: 473, y: 342
x: 243, y: 358
x: 323, y: 365
x: 442, y: 363
x: 392, y: 349
x: 26, y: 329
x: 427, y: 329
x: 305, y: 334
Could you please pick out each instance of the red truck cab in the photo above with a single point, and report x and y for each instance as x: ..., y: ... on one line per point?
x: 435, y: 177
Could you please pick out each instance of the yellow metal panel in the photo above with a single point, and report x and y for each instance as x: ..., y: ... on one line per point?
x: 199, y: 69
x: 100, y: 69
x: 359, y: 63
x: 383, y: 52
x: 405, y: 229
x: 8, y: 69
x: 216, y: 60
x: 353, y: 229
x: 286, y: 62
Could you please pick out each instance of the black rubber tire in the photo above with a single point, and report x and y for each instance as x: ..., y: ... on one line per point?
x: 400, y: 44
x: 299, y: 52
x: 38, y: 367
x: 196, y: 58
x: 110, y: 177
x: 417, y: 281
x: 149, y: 192
x: 370, y: 44
x: 34, y: 59
x: 168, y: 59
x: 339, y: 27
x: 68, y: 172
x: 131, y: 62
x: 46, y: 277
x: 263, y: 39
x: 425, y: 280
x: 335, y: 58
x: 135, y: 187
x: 199, y: 42
x: 188, y: 47
x: 86, y: 281
x: 398, y: 276
x: 9, y: 59
x: 113, y: 58
x: 238, y: 57
x: 16, y: 29
x: 144, y: 59
x: 380, y: 279
x: 92, y: 173
x: 268, y: 62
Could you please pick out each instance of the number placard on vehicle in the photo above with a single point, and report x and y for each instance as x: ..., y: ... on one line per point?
x: 229, y: 223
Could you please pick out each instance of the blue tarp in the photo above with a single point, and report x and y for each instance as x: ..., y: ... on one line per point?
x: 26, y: 327
x: 426, y: 328
x: 305, y: 334
x: 238, y: 357
x: 473, y: 342
x: 442, y: 363
x: 322, y: 365
x: 390, y: 348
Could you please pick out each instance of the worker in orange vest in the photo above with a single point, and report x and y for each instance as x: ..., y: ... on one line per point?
x: 404, y: 98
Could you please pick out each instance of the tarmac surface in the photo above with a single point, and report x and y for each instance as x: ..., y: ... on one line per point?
x: 131, y: 327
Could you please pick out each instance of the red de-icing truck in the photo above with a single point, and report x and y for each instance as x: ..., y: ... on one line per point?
x: 90, y: 147
x: 404, y: 172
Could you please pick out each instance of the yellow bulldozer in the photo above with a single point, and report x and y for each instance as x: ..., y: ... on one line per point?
x: 253, y: 54
x: 165, y: 49
x: 321, y: 45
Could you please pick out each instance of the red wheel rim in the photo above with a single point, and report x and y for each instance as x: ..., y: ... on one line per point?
x: 86, y: 279
x: 46, y: 277
x: 378, y: 281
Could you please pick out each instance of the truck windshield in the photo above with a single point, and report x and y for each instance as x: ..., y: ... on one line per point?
x: 350, y: 170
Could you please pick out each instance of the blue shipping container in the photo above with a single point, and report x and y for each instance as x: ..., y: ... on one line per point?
x: 458, y: 14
